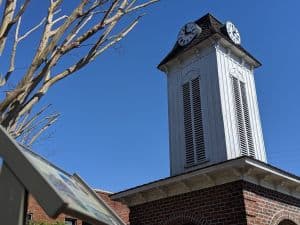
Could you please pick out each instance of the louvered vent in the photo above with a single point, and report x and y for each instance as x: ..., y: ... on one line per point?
x: 247, y: 120
x: 243, y: 119
x: 193, y: 124
x: 188, y: 125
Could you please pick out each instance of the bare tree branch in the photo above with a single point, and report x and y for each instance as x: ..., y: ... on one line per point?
x: 26, y: 122
x: 50, y: 121
x: 17, y: 40
x: 31, y: 30
x: 97, y: 21
x: 135, y: 8
x: 21, y: 11
x: 8, y: 20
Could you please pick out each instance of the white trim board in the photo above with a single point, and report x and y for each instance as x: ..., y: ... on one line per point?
x: 243, y: 168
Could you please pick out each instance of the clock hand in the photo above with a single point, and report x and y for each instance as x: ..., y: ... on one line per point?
x: 185, y: 30
x: 188, y: 30
x: 235, y: 34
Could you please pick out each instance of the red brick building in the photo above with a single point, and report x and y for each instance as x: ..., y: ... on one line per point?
x: 219, y: 173
x: 36, y: 213
x: 240, y: 191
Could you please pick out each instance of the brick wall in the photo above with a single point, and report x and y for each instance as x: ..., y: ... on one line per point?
x: 40, y: 216
x: 121, y: 209
x: 217, y: 205
x: 265, y: 206
x: 234, y: 203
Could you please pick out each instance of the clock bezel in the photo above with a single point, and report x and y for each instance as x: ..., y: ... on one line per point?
x: 180, y: 35
x: 230, y: 35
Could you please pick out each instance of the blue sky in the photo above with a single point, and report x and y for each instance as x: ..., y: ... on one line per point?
x: 114, y: 126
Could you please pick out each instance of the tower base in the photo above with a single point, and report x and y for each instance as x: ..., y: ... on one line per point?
x: 241, y: 191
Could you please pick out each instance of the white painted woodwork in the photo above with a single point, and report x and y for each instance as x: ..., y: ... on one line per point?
x: 215, y: 65
x: 246, y: 169
x: 229, y: 65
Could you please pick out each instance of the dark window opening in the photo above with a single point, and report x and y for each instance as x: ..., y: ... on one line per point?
x: 70, y: 221
x: 29, y: 217
x: 287, y: 222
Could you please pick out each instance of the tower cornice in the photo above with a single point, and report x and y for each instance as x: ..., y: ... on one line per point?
x: 243, y: 168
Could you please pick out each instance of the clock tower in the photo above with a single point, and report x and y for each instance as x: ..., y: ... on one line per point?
x: 213, y: 109
x: 219, y: 173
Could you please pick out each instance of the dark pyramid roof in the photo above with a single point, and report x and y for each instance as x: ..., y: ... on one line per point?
x: 210, y: 26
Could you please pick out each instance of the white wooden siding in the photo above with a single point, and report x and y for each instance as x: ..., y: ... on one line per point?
x: 214, y: 66
x: 204, y: 66
x: 229, y: 66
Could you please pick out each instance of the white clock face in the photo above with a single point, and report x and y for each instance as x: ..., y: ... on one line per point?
x: 233, y: 33
x: 188, y: 33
